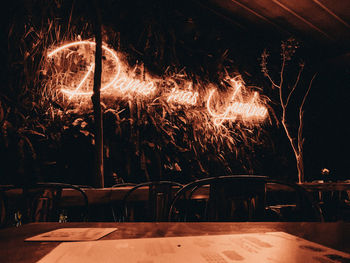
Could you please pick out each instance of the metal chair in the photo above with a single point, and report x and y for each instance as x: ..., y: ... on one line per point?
x: 42, y: 202
x: 243, y: 198
x: 291, y: 202
x: 150, y: 206
x: 117, y: 206
x: 223, y: 198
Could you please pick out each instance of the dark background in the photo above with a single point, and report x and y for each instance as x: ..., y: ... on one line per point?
x: 204, y: 37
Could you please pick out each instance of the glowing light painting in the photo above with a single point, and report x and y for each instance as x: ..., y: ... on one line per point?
x: 113, y: 77
x: 186, y: 97
x: 239, y: 106
x: 72, y: 70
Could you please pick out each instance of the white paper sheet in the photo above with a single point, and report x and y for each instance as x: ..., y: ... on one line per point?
x: 73, y: 234
x: 274, y: 247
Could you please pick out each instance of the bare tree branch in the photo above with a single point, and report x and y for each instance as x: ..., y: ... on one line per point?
x: 307, y: 92
x: 281, y: 84
x: 272, y: 81
x: 298, y: 141
x: 295, y: 85
x: 301, y: 116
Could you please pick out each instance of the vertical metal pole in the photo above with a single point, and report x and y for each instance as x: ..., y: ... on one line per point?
x: 99, y: 180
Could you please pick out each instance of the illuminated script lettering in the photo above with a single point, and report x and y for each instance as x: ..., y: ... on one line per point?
x: 71, y: 70
x: 246, y: 109
x: 183, y: 96
x: 113, y: 79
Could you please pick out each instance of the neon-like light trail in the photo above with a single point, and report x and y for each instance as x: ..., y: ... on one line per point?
x: 123, y: 84
x: 241, y: 106
x: 246, y: 110
x: 183, y: 96
x: 74, y: 92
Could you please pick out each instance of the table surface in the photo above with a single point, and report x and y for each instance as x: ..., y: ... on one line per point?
x: 72, y: 197
x: 326, y: 186
x: 13, y: 248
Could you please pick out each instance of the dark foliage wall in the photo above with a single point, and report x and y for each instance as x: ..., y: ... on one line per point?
x: 43, y: 140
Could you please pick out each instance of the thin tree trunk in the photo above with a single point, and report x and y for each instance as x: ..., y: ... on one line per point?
x: 99, y: 176
x: 296, y: 142
x: 300, y: 167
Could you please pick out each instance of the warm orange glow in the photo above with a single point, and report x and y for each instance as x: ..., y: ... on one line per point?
x: 76, y: 91
x: 71, y: 68
x: 119, y: 80
x: 247, y: 110
x: 126, y: 84
x: 183, y: 96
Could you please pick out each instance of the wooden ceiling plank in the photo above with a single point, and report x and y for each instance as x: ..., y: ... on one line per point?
x: 258, y: 15
x: 228, y: 19
x: 331, y: 13
x: 302, y: 19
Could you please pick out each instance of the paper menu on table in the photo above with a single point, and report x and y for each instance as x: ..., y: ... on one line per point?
x: 73, y: 234
x: 274, y: 247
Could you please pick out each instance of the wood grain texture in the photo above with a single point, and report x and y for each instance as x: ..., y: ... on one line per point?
x: 13, y: 248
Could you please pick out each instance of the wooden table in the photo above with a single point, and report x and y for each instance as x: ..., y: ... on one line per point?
x: 71, y: 197
x: 327, y: 186
x: 13, y: 248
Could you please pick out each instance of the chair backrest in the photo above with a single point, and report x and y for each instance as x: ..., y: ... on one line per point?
x: 123, y: 185
x: 156, y: 197
x: 223, y: 198
x: 117, y: 207
x: 3, y: 208
x: 42, y: 202
x: 291, y: 202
